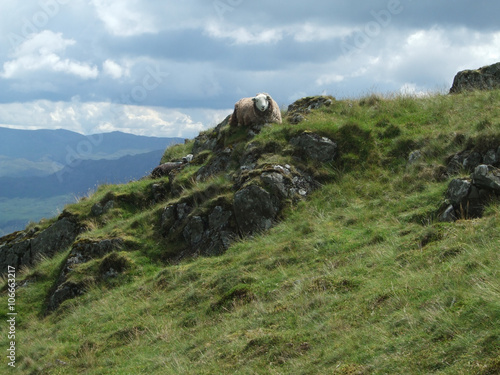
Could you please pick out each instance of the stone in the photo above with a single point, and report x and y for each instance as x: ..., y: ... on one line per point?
x: 414, y: 156
x: 218, y: 164
x: 96, y: 210
x: 254, y: 209
x: 458, y: 190
x: 301, y: 107
x: 315, y: 147
x: 208, y: 140
x: 448, y: 215
x: 486, y: 177
x: 26, y: 251
x: 218, y: 219
x: 274, y: 181
x: 491, y: 157
x: 194, y: 230
x: 485, y: 78
x: 472, y: 161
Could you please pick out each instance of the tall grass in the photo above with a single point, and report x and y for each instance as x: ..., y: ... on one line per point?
x: 357, y: 279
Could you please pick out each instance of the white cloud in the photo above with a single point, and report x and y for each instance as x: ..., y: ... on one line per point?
x: 125, y: 17
x: 242, y: 35
x: 42, y: 52
x: 309, y: 32
x: 97, y: 117
x: 329, y: 78
x: 115, y: 70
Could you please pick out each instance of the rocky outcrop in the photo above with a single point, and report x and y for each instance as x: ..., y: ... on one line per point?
x: 81, y: 252
x: 255, y: 209
x: 252, y: 206
x: 207, y: 225
x: 485, y: 78
x: 315, y: 147
x: 26, y: 248
x: 470, y: 159
x: 467, y: 197
x: 299, y: 109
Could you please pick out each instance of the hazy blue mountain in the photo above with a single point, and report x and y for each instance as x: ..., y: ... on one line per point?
x: 44, y: 152
x: 42, y: 170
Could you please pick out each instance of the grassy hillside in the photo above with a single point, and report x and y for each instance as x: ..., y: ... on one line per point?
x: 359, y: 278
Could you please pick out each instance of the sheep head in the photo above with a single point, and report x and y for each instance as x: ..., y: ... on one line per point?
x: 262, y: 102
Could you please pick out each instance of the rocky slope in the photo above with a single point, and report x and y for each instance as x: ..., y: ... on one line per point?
x: 282, y: 248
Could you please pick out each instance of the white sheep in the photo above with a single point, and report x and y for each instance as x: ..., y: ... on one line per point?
x: 258, y: 110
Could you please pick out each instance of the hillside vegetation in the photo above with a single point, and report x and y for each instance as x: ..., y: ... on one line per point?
x: 358, y: 277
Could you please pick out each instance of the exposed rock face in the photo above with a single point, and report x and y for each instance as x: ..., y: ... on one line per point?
x: 255, y: 209
x: 23, y: 251
x: 259, y: 196
x: 485, y: 78
x: 467, y: 197
x: 316, y: 147
x: 81, y: 252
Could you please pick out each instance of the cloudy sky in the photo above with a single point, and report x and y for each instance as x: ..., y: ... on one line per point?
x: 173, y: 68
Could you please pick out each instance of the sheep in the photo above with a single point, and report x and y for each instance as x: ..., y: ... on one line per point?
x: 258, y: 110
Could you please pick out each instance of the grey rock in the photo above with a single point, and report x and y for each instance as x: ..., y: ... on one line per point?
x: 254, y: 209
x: 458, y: 190
x: 486, y: 177
x: 315, y: 147
x: 208, y: 140
x: 491, y: 157
x: 159, y: 191
x: 218, y: 219
x: 414, y: 156
x: 194, y: 231
x: 274, y: 181
x: 183, y: 210
x: 108, y: 206
x: 472, y: 161
x: 96, y: 210
x: 448, y: 215
x: 64, y: 291
x: 485, y: 78
x: 218, y: 164
x: 27, y: 251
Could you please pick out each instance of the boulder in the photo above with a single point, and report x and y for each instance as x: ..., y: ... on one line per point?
x: 468, y: 197
x: 315, y: 146
x: 458, y: 191
x: 22, y: 251
x: 485, y: 78
x: 486, y: 177
x: 255, y: 209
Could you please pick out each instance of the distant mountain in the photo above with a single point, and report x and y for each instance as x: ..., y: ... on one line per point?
x: 81, y: 177
x: 42, y: 170
x: 26, y: 153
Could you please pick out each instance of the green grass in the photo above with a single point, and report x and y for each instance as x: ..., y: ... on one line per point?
x: 357, y: 279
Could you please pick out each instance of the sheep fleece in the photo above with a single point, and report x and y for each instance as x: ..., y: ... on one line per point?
x: 246, y: 114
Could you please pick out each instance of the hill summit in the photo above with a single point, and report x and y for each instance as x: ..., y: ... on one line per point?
x: 359, y: 236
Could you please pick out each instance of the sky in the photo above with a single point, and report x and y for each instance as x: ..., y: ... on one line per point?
x: 174, y: 68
